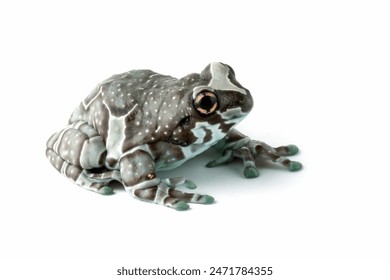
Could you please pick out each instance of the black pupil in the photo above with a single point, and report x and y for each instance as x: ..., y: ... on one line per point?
x: 206, y: 103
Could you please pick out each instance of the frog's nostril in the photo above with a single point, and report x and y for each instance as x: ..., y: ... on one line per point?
x: 183, y: 144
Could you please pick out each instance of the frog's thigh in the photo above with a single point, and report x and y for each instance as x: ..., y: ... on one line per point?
x: 79, y: 144
x: 75, y: 149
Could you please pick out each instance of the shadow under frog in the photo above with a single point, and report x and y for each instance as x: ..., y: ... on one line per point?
x: 139, y: 122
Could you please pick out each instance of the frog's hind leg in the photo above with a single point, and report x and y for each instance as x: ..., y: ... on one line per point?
x: 75, y: 152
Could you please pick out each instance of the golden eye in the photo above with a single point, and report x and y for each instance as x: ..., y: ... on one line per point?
x: 206, y: 102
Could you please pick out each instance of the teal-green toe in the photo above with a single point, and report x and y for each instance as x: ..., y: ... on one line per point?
x: 206, y: 199
x: 106, y: 190
x: 251, y: 172
x: 292, y: 150
x: 190, y: 185
x: 181, y: 206
x: 295, y: 166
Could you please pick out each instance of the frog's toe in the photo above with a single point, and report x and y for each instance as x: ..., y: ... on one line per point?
x: 211, y: 164
x: 189, y: 185
x: 251, y: 172
x: 181, y: 206
x: 106, y: 190
x: 292, y: 150
x: 294, y: 166
x: 206, y: 199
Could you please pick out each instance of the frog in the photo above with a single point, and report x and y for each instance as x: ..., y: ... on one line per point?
x: 135, y: 124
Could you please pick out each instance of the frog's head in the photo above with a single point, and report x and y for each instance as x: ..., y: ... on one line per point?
x: 217, y: 103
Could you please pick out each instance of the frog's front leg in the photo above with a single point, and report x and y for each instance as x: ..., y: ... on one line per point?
x: 238, y: 145
x: 138, y: 175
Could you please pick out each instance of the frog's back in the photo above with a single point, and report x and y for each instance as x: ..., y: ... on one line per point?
x: 124, y: 108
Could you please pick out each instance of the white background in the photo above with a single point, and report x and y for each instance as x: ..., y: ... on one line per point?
x: 319, y: 74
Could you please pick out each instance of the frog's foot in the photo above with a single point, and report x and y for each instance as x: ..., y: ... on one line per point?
x: 255, y: 149
x: 260, y: 149
x: 167, y: 195
x: 96, y: 182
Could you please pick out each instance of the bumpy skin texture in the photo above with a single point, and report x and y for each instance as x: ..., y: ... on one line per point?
x: 139, y: 122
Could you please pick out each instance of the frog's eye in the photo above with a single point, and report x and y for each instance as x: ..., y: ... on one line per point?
x: 206, y: 102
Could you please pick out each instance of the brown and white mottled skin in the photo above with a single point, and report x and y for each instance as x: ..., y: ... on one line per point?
x: 139, y: 122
